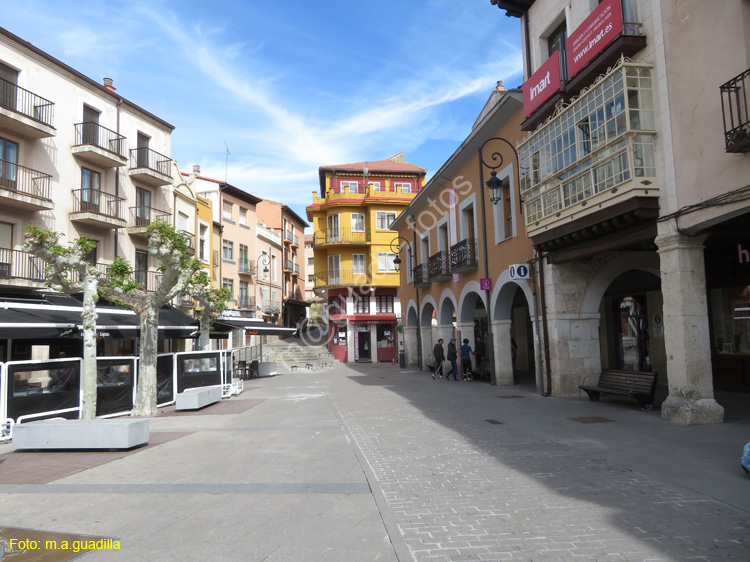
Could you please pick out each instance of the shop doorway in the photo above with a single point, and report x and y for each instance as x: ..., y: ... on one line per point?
x: 363, y: 346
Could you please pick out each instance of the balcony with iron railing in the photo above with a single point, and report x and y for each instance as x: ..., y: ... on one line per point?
x: 420, y: 275
x: 295, y: 242
x: 189, y: 237
x: 288, y: 236
x: 25, y: 113
x: 141, y: 216
x: 438, y: 266
x: 296, y: 269
x: 247, y: 267
x: 150, y: 167
x: 288, y: 266
x: 270, y: 307
x: 246, y: 302
x: 340, y: 236
x: 24, y: 188
x: 18, y: 267
x: 464, y: 256
x: 98, y: 208
x: 98, y: 145
x: 735, y: 110
x: 149, y: 280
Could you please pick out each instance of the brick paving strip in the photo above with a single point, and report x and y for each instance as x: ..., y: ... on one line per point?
x: 460, y: 489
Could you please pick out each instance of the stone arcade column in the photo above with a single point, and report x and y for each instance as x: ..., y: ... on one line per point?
x: 426, y: 346
x: 502, y: 351
x: 410, y: 346
x: 686, y: 334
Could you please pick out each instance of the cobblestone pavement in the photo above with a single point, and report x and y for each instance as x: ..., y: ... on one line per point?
x: 464, y: 476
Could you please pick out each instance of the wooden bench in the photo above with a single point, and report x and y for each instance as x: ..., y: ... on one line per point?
x: 638, y: 385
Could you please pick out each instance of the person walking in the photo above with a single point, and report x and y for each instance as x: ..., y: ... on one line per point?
x: 466, y: 354
x: 439, y: 354
x: 452, y: 357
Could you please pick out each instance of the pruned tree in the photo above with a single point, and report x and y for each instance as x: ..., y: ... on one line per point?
x: 177, y: 267
x: 68, y: 271
x: 213, y: 301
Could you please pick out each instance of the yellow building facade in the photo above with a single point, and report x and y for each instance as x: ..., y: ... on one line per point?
x: 354, y: 246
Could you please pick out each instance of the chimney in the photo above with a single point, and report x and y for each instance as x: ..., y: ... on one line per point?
x: 108, y: 84
x: 500, y: 87
x: 196, y: 169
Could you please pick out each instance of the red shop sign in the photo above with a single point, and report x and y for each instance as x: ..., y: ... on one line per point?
x: 542, y: 84
x: 596, y: 32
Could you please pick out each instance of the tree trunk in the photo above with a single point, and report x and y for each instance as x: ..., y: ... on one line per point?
x: 88, y: 317
x: 145, y: 400
x: 204, y: 341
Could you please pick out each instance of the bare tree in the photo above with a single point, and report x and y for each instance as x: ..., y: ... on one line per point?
x: 177, y: 267
x: 213, y: 301
x: 68, y: 271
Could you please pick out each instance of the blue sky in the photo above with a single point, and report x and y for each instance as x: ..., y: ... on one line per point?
x: 289, y: 86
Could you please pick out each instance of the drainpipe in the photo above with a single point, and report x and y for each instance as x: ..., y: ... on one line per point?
x: 117, y: 180
x: 538, y: 343
x: 542, y: 296
x: 528, y: 43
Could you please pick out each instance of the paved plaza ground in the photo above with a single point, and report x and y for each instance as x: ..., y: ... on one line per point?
x: 376, y: 463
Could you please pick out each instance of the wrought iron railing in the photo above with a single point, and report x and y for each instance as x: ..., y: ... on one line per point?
x: 99, y: 202
x: 288, y: 265
x: 296, y: 269
x: 147, y: 158
x: 736, y: 112
x: 336, y: 277
x: 464, y: 255
x: 247, y: 266
x: 189, y: 238
x: 438, y: 265
x: 24, y: 180
x: 340, y: 236
x: 420, y: 275
x: 271, y: 307
x: 247, y: 302
x: 17, y: 264
x: 141, y: 215
x: 149, y: 280
x: 26, y: 103
x: 93, y: 133
x: 288, y: 236
x: 296, y: 241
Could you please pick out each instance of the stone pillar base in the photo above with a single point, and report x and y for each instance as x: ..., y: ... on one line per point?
x: 692, y: 412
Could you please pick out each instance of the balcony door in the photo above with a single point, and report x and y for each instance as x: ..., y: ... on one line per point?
x: 142, y: 152
x: 142, y: 207
x: 8, y: 86
x: 334, y: 270
x: 90, y: 131
x: 333, y: 228
x: 90, y: 190
x: 141, y: 268
x: 8, y: 164
x: 6, y: 248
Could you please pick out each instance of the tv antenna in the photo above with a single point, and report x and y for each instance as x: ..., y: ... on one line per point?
x: 226, y: 166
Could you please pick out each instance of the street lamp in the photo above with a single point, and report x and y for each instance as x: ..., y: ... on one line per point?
x: 265, y: 261
x: 400, y: 243
x: 495, y: 187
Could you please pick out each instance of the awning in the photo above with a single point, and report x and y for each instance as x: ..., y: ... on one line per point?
x: 252, y: 326
x: 62, y: 318
x: 372, y: 318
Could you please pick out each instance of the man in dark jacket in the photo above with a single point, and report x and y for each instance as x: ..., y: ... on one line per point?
x: 439, y: 354
x: 452, y: 356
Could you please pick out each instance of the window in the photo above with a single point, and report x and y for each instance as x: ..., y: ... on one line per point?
x: 332, y: 235
x: 310, y: 261
x: 182, y: 222
x: 385, y: 262
x: 244, y: 294
x: 244, y: 259
x: 505, y: 222
x: 403, y: 187
x: 274, y: 270
x: 8, y: 161
x: 90, y: 190
x: 90, y: 126
x: 361, y: 304
x: 556, y: 41
x: 141, y: 267
x: 352, y: 186
x: 384, y: 219
x: 359, y: 267
x: 337, y: 305
x: 358, y: 222
x: 226, y: 212
x: 203, y: 242
x: 229, y: 285
x: 243, y: 217
x: 142, y: 150
x: 334, y: 270
x: 374, y: 185
x: 227, y: 250
x: 8, y: 93
x: 384, y: 304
